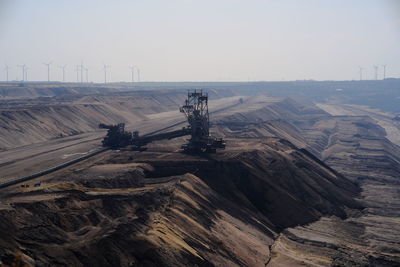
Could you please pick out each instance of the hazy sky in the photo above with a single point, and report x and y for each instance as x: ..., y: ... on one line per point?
x: 201, y: 40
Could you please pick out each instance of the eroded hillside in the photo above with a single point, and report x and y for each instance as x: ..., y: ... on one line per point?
x: 297, y: 185
x: 354, y: 145
x: 172, y: 209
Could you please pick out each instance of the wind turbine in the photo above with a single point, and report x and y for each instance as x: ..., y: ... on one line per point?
x: 26, y: 72
x: 361, y: 70
x: 7, y: 68
x: 82, y: 67
x: 48, y: 70
x: 138, y: 74
x: 77, y: 73
x: 376, y: 72
x: 105, y: 72
x: 87, y: 74
x: 23, y: 71
x: 63, y: 72
x: 384, y: 71
x: 132, y: 73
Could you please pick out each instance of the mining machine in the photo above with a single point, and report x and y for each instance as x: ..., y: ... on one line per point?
x: 196, y: 112
x: 117, y: 136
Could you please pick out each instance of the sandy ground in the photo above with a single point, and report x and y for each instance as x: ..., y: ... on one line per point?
x: 351, y: 142
x: 32, y: 158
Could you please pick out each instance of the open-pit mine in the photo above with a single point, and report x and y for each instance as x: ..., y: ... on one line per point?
x: 218, y: 174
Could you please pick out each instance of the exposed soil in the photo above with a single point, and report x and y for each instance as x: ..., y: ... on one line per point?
x: 297, y: 185
x: 173, y: 209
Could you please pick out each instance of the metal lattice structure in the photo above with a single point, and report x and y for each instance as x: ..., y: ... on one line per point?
x: 196, y: 112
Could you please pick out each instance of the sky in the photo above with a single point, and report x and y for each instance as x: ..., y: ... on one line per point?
x: 200, y: 40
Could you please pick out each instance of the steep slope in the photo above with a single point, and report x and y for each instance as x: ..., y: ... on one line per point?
x: 23, y: 126
x: 171, y: 209
x: 259, y: 189
x: 354, y: 146
x: 261, y: 172
x: 263, y: 116
x: 27, y: 122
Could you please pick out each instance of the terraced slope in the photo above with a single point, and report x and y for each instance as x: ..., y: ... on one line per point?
x: 264, y: 200
x: 25, y: 122
x: 356, y: 147
x: 37, y: 121
x: 170, y: 209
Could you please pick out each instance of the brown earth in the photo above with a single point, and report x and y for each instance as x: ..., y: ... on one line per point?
x: 172, y: 209
x: 297, y: 185
x: 65, y: 137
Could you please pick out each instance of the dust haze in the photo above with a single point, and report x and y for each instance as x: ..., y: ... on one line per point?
x: 199, y: 133
x: 201, y: 40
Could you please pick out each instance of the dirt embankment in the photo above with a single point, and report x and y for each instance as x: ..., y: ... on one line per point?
x: 25, y: 122
x: 227, y: 209
x: 356, y: 146
x: 31, y: 122
x: 171, y: 209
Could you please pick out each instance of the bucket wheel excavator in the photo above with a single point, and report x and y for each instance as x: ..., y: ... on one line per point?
x: 196, y: 112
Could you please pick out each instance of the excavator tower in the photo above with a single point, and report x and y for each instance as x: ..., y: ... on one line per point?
x: 196, y: 112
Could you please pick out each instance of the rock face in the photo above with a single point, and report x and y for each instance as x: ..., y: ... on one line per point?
x: 226, y: 209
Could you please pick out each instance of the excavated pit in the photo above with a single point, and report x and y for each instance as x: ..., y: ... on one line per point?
x: 261, y: 201
x: 184, y: 209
